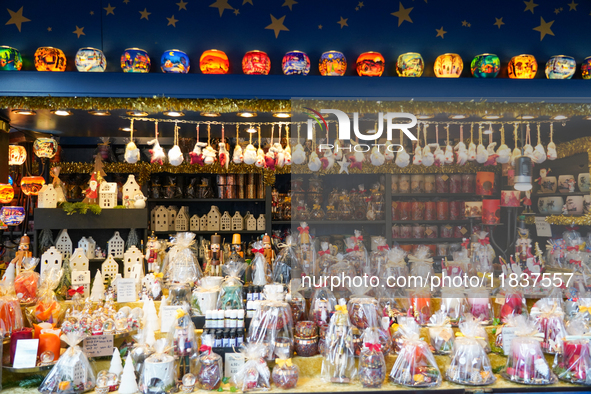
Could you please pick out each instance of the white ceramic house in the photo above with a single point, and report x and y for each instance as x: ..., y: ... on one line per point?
x: 261, y: 223
x: 237, y: 222
x: 116, y: 246
x: 52, y: 258
x: 131, y: 187
x: 88, y: 245
x: 203, y: 223
x: 47, y: 197
x: 133, y: 256
x: 181, y: 222
x: 160, y: 219
x: 213, y: 219
x: 79, y: 261
x: 63, y: 243
x: 250, y: 221
x: 172, y: 212
x: 226, y: 222
x: 75, y: 372
x: 81, y: 278
x: 108, y: 195
x: 194, y: 223
x: 109, y: 268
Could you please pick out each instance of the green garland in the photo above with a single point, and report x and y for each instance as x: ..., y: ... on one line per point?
x: 80, y: 207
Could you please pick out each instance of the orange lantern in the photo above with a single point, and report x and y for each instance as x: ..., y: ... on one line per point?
x: 370, y: 64
x: 523, y: 67
x: 17, y: 155
x: 31, y: 185
x: 214, y: 62
x: 50, y: 59
x: 448, y: 65
x: 485, y: 183
x: 6, y: 193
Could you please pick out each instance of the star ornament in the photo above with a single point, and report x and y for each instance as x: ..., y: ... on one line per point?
x: 79, y: 31
x: 221, y: 5
x: 440, y: 32
x: 403, y: 14
x: 573, y: 6
x: 277, y: 25
x: 344, y: 164
x: 289, y: 3
x: 17, y: 18
x: 172, y: 21
x: 144, y: 14
x: 544, y: 28
x: 182, y: 5
x: 499, y: 22
x: 343, y: 22
x: 530, y: 5
x: 109, y: 9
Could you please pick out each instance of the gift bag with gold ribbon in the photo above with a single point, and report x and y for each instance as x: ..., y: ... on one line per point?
x: 254, y: 375
x: 285, y: 373
x: 549, y: 319
x: 441, y: 335
x: 338, y: 365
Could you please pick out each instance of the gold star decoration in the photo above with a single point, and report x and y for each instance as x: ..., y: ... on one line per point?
x: 573, y: 6
x: 356, y: 8
x: 49, y: 29
x: 247, y: 1
x: 557, y: 11
x: 109, y: 9
x: 17, y: 18
x: 464, y: 23
x: 289, y: 3
x: 544, y: 28
x: 182, y: 5
x: 172, y: 21
x: 91, y: 12
x: 529, y: 6
x: 499, y: 22
x: 360, y: 5
x: 236, y: 11
x: 320, y: 27
x: 469, y: 25
x: 144, y: 14
x: 125, y: 1
x: 403, y: 14
x: 221, y: 5
x: 343, y: 22
x: 79, y: 31
x: 277, y: 25
x: 440, y: 32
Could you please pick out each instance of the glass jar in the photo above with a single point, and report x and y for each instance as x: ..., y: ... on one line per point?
x: 456, y: 210
x: 446, y: 231
x: 345, y: 209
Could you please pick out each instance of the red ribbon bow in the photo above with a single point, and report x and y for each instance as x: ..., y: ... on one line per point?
x: 323, y: 252
x: 383, y: 247
x: 304, y: 230
x: 466, y: 243
x: 73, y: 291
x: 205, y: 348
x: 355, y: 249
x: 258, y: 250
x: 484, y: 241
x: 360, y: 238
x: 573, y: 227
x: 575, y: 262
x: 376, y: 347
x: 572, y: 248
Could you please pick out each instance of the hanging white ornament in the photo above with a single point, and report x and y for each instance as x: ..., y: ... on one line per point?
x: 338, y: 151
x: 132, y: 152
x: 175, y: 155
x: 539, y: 155
x: 237, y: 156
x: 481, y: 152
x: 287, y: 150
x: 449, y: 150
x: 197, y: 154
x: 157, y: 153
x: 299, y: 155
x: 503, y: 152
x: 260, y: 162
x: 314, y: 163
x: 516, y: 151
x: 461, y: 150
x: 438, y: 153
x: 344, y: 165
x: 377, y: 158
x: 402, y: 157
x: 428, y: 157
x: 471, y: 145
x: 209, y: 154
x: 552, y: 154
x: 417, y: 158
x: 223, y: 152
x: 389, y: 152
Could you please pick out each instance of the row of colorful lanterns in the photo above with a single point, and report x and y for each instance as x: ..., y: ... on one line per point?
x: 43, y: 148
x: 331, y: 63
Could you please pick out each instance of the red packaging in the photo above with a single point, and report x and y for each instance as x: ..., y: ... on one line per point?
x: 404, y: 210
x: 431, y: 231
x: 418, y: 231
x: 442, y: 183
x: 417, y: 210
x: 460, y: 231
x: 491, y: 211
x: 395, y: 210
x: 446, y: 231
x: 443, y: 210
x: 456, y: 209
x: 430, y: 210
x: 468, y: 181
x: 25, y: 333
x: 455, y: 183
x: 405, y: 231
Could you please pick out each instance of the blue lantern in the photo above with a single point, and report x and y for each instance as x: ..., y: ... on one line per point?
x: 296, y: 63
x: 174, y: 61
x: 135, y: 60
x: 486, y: 65
x: 560, y: 67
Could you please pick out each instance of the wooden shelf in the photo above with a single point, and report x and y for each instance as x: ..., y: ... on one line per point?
x: 216, y: 200
x: 212, y: 232
x: 560, y: 194
x: 429, y: 195
x: 337, y: 222
x: 459, y: 221
x: 57, y: 218
x: 425, y: 240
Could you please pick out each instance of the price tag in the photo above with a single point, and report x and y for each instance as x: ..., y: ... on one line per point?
x: 167, y: 318
x: 233, y: 362
x: 428, y: 231
x: 543, y: 227
x: 463, y: 230
x: 98, y: 345
x: 126, y: 290
x: 508, y: 335
x: 25, y: 355
x: 444, y: 177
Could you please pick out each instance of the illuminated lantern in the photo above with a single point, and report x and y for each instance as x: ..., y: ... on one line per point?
x: 50, y: 59
x: 90, y: 60
x: 174, y: 61
x: 560, y: 67
x: 10, y: 59
x: 214, y: 62
x: 31, y: 185
x: 256, y: 63
x: 332, y: 63
x: 370, y: 64
x: 523, y: 67
x: 485, y: 183
x: 296, y: 63
x: 12, y: 216
x: 448, y: 65
x: 486, y: 65
x: 45, y: 148
x: 16, y: 155
x: 6, y: 193
x: 491, y: 211
x: 586, y: 68
x: 135, y: 60
x: 410, y: 65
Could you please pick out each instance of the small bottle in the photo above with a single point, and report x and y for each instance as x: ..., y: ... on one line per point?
x: 226, y: 340
x: 233, y: 341
x: 221, y: 314
x: 239, y: 337
x: 216, y: 319
x: 249, y: 309
x: 250, y: 293
x: 218, y: 338
x: 207, y: 319
x: 240, y: 319
x: 228, y: 318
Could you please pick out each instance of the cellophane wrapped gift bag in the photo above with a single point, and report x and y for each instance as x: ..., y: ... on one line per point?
x: 372, y: 365
x: 395, y: 265
x: 420, y: 304
x: 363, y: 309
x: 338, y: 365
x: 254, y: 375
x: 230, y: 296
x: 261, y: 271
x: 47, y: 308
x: 11, y: 317
x: 182, y: 265
x: 421, y: 262
x: 525, y: 362
x: 285, y: 373
x: 343, y: 268
x: 159, y: 374
x: 322, y: 306
x: 296, y: 301
x: 356, y: 254
x: 441, y: 335
x: 383, y: 338
x: 415, y: 365
x: 549, y: 319
x: 453, y: 304
x: 286, y: 259
x: 209, y: 367
x: 326, y: 257
x: 182, y: 341
x: 378, y: 258
x: 72, y: 374
x: 26, y: 282
x: 469, y: 364
x: 573, y: 362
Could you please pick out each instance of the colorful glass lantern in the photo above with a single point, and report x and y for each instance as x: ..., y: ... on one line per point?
x: 6, y: 193
x: 586, y: 68
x: 31, y: 185
x: 370, y: 64
x: 17, y: 155
x: 448, y: 65
x: 10, y: 59
x: 214, y: 62
x: 90, y: 60
x: 560, y: 67
x: 45, y: 148
x: 491, y: 211
x: 523, y: 67
x: 174, y: 61
x: 332, y: 63
x: 485, y: 65
x: 135, y: 60
x: 50, y: 59
x: 12, y: 216
x: 256, y: 63
x: 295, y: 63
x: 410, y: 65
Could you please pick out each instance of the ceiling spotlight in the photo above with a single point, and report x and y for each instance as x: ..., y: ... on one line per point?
x: 99, y: 112
x: 588, y: 117
x: 251, y: 130
x: 24, y: 112
x: 137, y: 113
x: 174, y: 114
x: 61, y: 112
x: 457, y: 116
x: 128, y: 129
x: 281, y: 115
x: 247, y: 114
x: 560, y: 117
x: 526, y: 117
x: 492, y: 117
x: 211, y: 114
x: 425, y: 116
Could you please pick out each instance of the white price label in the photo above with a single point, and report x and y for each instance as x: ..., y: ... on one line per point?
x: 543, y: 227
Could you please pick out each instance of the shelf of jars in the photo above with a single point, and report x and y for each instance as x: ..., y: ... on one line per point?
x: 329, y: 222
x: 426, y: 240
x: 215, y: 200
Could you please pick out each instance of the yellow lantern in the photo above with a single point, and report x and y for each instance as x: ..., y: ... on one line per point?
x: 523, y: 67
x: 16, y: 155
x: 31, y: 185
x: 213, y: 61
x: 50, y: 59
x: 6, y: 193
x: 448, y: 65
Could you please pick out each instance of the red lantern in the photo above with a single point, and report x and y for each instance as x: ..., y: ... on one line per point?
x: 16, y: 155
x: 256, y: 63
x: 491, y: 211
x: 6, y: 193
x: 31, y: 185
x: 370, y: 64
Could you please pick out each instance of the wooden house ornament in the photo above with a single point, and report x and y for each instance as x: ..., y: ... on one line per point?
x: 47, y: 197
x: 194, y: 223
x: 116, y: 246
x: 52, y: 258
x: 226, y: 222
x: 203, y: 223
x: 63, y: 243
x: 109, y: 268
x: 81, y: 279
x: 261, y: 223
x: 182, y: 220
x: 213, y: 219
x: 79, y: 260
x: 160, y: 218
x: 88, y: 245
x: 172, y: 212
x: 108, y: 195
x: 133, y: 256
x: 237, y: 222
x: 250, y: 221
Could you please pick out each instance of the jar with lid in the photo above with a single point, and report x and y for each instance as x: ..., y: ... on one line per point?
x: 315, y: 185
x: 345, y: 209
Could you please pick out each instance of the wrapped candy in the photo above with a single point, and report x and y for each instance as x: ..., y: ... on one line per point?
x: 338, y: 365
x: 480, y: 304
x: 47, y: 309
x: 513, y: 303
x: 11, y: 317
x: 208, y: 366
x: 72, y: 374
x: 415, y: 365
x: 378, y: 335
x: 25, y: 283
x: 326, y: 258
x: 261, y: 271
x: 549, y: 319
x: 284, y: 262
x: 441, y: 335
x: 159, y: 374
x: 526, y: 363
x: 363, y: 309
x: 285, y: 374
x: 573, y: 362
x: 181, y: 339
x: 421, y: 262
x: 479, y: 329
x: 378, y: 258
x: 453, y: 304
x: 230, y: 296
x: 357, y: 254
x: 254, y: 374
x: 372, y: 365
x: 469, y: 363
x: 297, y: 303
x: 342, y: 268
x: 322, y: 306
x: 483, y: 253
x: 182, y: 265
x: 395, y: 265
x: 420, y: 304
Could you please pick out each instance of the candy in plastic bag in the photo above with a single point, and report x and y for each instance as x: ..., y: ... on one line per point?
x: 421, y: 262
x: 261, y: 271
x: 549, y: 319
x: 372, y: 365
x: 11, y: 317
x: 209, y: 367
x: 182, y: 265
x: 322, y: 306
x: 230, y: 296
x: 338, y: 365
x: 47, y: 309
x: 363, y: 309
x: 254, y: 374
x: 441, y: 335
x: 26, y: 281
x: 286, y: 259
x: 285, y: 373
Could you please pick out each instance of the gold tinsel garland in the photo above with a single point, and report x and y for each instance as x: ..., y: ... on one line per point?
x: 392, y: 168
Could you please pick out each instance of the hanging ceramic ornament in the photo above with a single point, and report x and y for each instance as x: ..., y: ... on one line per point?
x: 224, y: 154
x: 516, y: 151
x: 299, y: 155
x: 539, y: 155
x: 250, y: 153
x: 377, y: 158
x: 504, y: 152
x: 260, y: 162
x: 449, y: 150
x: 270, y: 155
x: 552, y: 154
x: 175, y: 155
x: 402, y: 158
x: 314, y: 163
x: 338, y: 151
x: 132, y: 152
x: 439, y: 155
x: 461, y: 150
x: 197, y: 154
x: 471, y: 145
x: 287, y: 150
x: 389, y: 152
x: 358, y: 157
x: 328, y: 159
x: 428, y: 157
x: 279, y: 152
x: 490, y: 150
x: 237, y: 156
x: 209, y: 154
x: 417, y: 158
x: 481, y: 152
x: 528, y: 149
x: 157, y: 153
